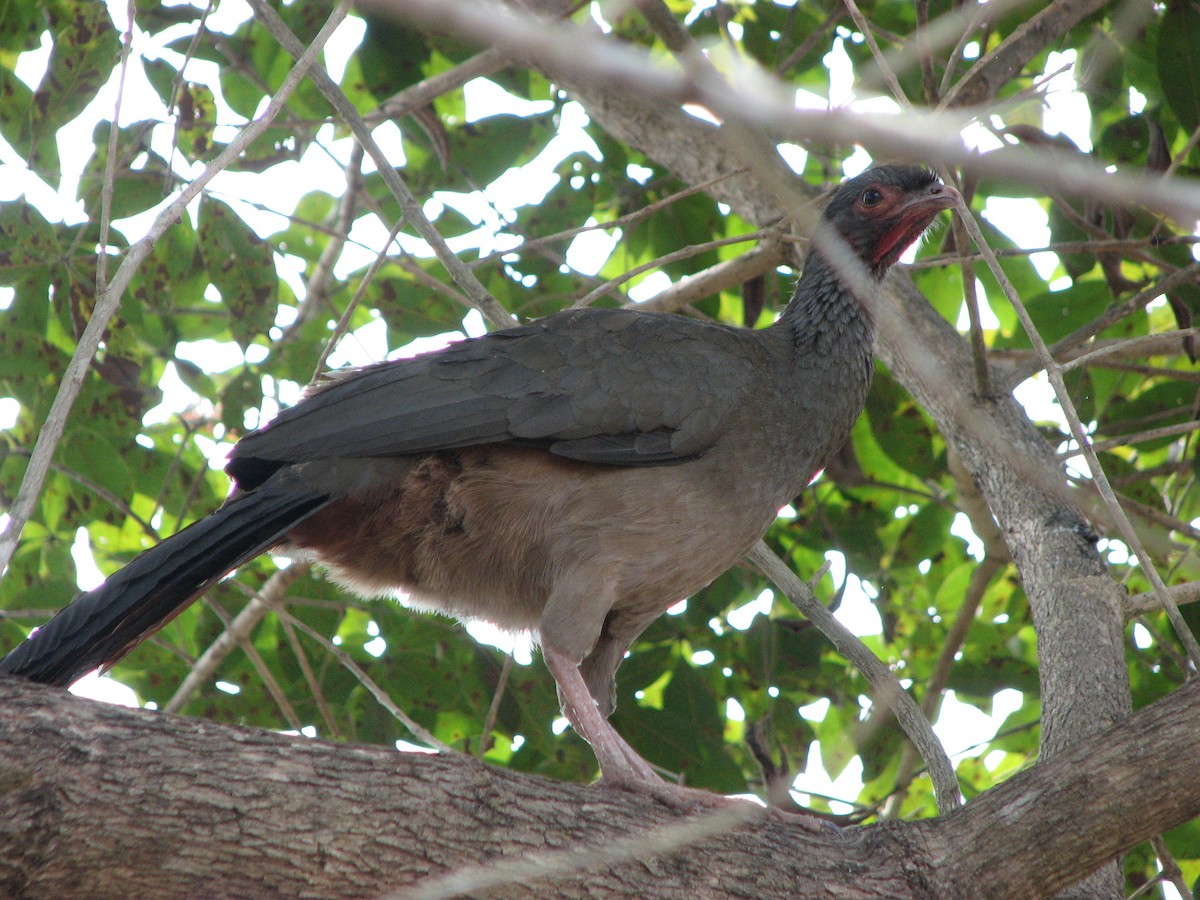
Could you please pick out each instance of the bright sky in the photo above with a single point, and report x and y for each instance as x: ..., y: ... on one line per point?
x: 960, y: 726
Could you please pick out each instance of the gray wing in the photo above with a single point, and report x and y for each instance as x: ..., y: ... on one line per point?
x: 606, y: 386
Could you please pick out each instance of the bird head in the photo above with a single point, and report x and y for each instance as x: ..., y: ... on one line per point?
x: 882, y: 211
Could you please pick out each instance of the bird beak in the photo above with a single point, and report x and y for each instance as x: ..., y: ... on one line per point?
x: 930, y: 202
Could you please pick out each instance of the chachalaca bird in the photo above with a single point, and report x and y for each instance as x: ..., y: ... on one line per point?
x: 574, y: 477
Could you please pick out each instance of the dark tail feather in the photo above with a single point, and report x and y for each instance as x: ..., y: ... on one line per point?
x: 98, y: 628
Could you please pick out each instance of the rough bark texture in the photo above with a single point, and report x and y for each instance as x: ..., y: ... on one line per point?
x: 1082, y: 801
x: 1076, y: 605
x: 99, y: 801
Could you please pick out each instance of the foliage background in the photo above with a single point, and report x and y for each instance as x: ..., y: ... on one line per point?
x: 952, y: 619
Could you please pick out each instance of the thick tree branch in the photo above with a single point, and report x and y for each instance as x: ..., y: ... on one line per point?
x: 283, y: 816
x: 1120, y: 778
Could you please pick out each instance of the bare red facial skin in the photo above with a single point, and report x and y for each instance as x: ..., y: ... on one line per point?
x: 915, y: 215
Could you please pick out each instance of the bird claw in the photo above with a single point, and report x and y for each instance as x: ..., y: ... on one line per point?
x: 806, y: 820
x: 689, y: 800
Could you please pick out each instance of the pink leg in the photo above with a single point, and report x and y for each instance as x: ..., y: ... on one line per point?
x: 620, y: 764
x: 618, y: 761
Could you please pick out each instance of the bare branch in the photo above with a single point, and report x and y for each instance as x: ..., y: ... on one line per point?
x: 1140, y: 604
x: 667, y: 258
x: 722, y: 276
x: 998, y: 67
x: 767, y: 106
x: 236, y: 634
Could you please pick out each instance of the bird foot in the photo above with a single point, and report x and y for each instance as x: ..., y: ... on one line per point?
x: 691, y: 800
x: 806, y: 820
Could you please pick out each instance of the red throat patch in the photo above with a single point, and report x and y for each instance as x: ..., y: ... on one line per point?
x: 908, y: 229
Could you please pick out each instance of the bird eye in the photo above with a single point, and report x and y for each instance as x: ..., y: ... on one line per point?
x: 872, y: 197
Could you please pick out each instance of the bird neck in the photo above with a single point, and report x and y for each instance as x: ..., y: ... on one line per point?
x: 826, y: 342
x: 823, y: 314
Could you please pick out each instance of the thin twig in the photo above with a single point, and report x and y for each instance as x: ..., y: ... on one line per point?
x: 1128, y: 345
x: 925, y: 53
x: 482, y: 64
x: 343, y: 321
x: 265, y: 675
x: 1150, y: 514
x: 310, y: 678
x: 619, y: 222
x: 969, y: 27
x: 983, y: 380
x: 339, y: 233
x: 1115, y: 314
x: 1098, y: 245
x: 110, y: 159
x: 409, y: 206
x: 810, y: 41
x: 236, y: 634
x: 1138, y: 437
x: 1184, y: 153
x: 939, y: 678
x: 1152, y: 371
x: 380, y: 695
x: 885, y: 69
x: 754, y: 262
x: 96, y: 488
x: 666, y: 259
x: 489, y: 721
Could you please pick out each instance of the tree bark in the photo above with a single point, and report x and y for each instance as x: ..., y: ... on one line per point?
x: 99, y: 801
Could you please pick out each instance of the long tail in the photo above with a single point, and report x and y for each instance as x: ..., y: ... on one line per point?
x: 98, y: 628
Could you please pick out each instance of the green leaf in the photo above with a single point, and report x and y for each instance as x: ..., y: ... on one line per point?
x: 900, y: 428
x: 241, y: 266
x: 84, y: 48
x: 1056, y: 314
x: 197, y: 120
x: 480, y: 152
x: 391, y: 56
x: 1178, y: 50
x: 134, y: 190
x: 685, y: 735
x: 88, y: 453
x: 925, y: 534
x: 28, y: 364
x: 21, y: 125
x: 26, y: 239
